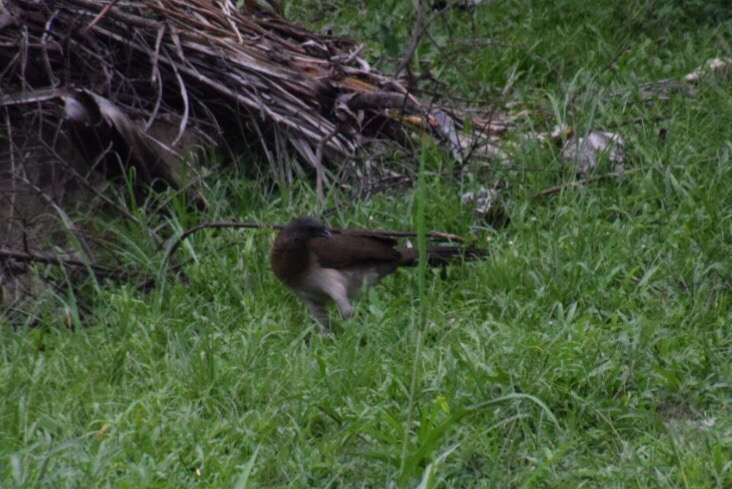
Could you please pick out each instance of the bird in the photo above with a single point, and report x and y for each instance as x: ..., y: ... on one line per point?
x: 322, y: 265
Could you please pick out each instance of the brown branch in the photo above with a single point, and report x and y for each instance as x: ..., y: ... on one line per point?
x: 319, y: 172
x: 56, y: 260
x: 84, y: 30
x: 434, y: 235
x: 69, y: 224
x: 212, y: 225
x: 417, y: 32
x: 383, y: 100
x: 558, y: 188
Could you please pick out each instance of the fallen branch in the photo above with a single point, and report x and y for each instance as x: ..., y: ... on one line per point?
x: 57, y: 260
x: 212, y: 225
x: 558, y: 188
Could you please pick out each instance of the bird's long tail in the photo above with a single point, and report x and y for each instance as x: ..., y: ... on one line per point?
x: 442, y: 255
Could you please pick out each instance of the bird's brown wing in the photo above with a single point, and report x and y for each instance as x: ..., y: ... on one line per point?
x: 381, y: 236
x: 354, y: 249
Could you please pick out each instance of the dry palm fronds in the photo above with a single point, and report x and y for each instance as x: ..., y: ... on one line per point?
x: 204, y: 68
x: 92, y: 91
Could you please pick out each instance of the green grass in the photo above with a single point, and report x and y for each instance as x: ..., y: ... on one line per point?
x: 591, y: 349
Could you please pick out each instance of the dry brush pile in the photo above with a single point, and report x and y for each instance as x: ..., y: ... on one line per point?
x: 97, y: 93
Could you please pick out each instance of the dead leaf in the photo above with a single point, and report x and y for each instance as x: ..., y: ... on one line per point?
x: 721, y: 67
x: 584, y: 151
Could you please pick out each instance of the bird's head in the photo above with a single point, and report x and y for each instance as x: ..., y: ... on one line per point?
x: 307, y: 227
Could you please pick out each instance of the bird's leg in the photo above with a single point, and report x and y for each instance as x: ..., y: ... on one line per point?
x: 321, y: 314
x: 336, y: 288
x: 333, y: 284
x: 344, y: 306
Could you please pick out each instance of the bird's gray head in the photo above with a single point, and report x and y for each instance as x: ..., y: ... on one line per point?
x: 307, y: 227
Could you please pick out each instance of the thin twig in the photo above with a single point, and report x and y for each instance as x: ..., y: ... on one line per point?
x: 417, y: 32
x: 99, y: 17
x: 434, y: 235
x: 319, y: 172
x: 13, y: 180
x: 184, y: 97
x: 558, y: 188
x: 56, y: 260
x: 68, y: 223
x: 212, y: 225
